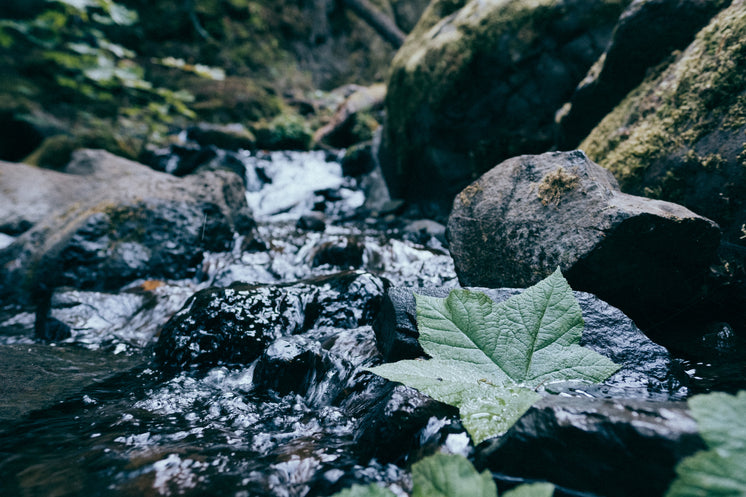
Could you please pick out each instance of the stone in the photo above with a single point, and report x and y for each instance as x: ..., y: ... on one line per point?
x: 291, y: 364
x: 345, y: 253
x: 391, y: 417
x: 237, y: 324
x: 531, y: 214
x: 648, y: 31
x: 480, y: 85
x: 679, y: 135
x: 647, y: 369
x: 106, y: 221
x: 614, y: 448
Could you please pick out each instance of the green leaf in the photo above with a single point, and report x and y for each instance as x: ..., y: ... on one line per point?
x: 445, y: 475
x: 721, y: 419
x: 531, y: 490
x: 371, y: 490
x: 719, y: 471
x: 487, y: 358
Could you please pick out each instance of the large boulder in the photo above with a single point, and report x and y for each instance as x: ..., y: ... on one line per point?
x: 679, y: 136
x: 611, y: 448
x: 531, y: 214
x: 106, y: 221
x: 648, y: 31
x: 482, y: 84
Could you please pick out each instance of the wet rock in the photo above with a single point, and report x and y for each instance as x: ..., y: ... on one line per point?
x: 313, y: 221
x: 291, y: 364
x: 612, y: 448
x: 422, y: 231
x: 527, y: 216
x: 678, y: 136
x: 648, y: 370
x: 227, y: 137
x: 345, y: 253
x: 119, y: 221
x: 647, y: 32
x: 235, y: 325
x: 480, y: 85
x: 390, y: 417
x: 179, y: 159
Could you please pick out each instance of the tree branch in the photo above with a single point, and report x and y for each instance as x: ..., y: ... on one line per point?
x: 376, y: 19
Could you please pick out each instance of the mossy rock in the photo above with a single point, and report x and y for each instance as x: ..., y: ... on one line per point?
x: 681, y: 135
x: 481, y: 85
x: 287, y: 131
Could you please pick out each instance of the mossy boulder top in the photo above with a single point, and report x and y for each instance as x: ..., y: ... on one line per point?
x: 481, y: 85
x: 681, y: 134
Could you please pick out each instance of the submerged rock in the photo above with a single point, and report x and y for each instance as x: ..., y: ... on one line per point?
x: 648, y: 370
x: 521, y: 220
x: 481, y: 84
x: 612, y: 448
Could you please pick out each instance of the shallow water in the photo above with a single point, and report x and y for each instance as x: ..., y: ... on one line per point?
x: 98, y: 418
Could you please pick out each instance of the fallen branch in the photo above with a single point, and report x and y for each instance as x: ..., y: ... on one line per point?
x: 380, y: 22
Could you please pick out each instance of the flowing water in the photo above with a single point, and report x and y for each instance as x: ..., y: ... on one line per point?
x: 94, y: 415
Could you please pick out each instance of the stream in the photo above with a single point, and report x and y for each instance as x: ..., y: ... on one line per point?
x: 97, y: 414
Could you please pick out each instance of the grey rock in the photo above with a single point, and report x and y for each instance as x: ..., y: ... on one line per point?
x: 481, y: 84
x: 647, y: 32
x: 531, y: 214
x: 648, y: 370
x: 612, y: 448
x: 106, y: 221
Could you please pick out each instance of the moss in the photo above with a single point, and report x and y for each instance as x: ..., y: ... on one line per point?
x: 555, y: 184
x: 445, y: 60
x: 701, y: 92
x: 287, y: 131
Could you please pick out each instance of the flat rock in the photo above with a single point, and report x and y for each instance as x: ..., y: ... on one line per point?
x: 531, y: 214
x: 612, y: 448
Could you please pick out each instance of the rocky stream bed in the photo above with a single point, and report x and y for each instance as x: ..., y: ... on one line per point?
x: 242, y: 374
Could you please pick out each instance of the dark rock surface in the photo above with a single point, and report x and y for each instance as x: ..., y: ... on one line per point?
x: 531, y: 214
x: 647, y: 32
x: 235, y: 325
x: 117, y: 221
x: 647, y: 368
x: 481, y: 84
x: 614, y: 448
